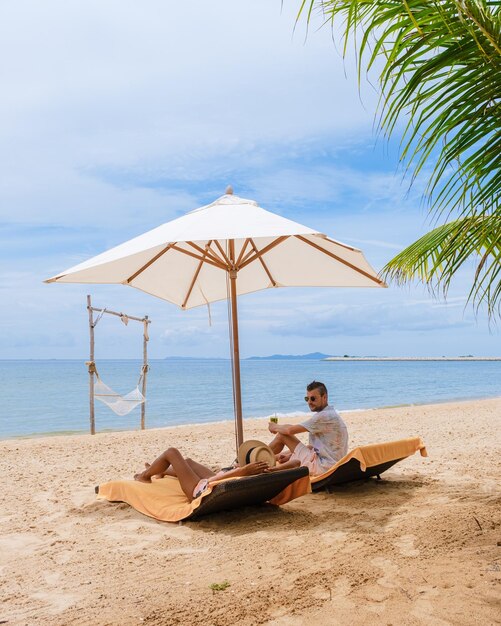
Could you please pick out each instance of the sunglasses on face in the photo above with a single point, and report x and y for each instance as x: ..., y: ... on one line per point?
x: 310, y: 398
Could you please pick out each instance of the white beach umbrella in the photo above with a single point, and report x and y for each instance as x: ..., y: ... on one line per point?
x: 222, y: 250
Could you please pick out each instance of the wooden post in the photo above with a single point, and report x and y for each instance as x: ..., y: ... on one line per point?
x: 92, y: 367
x: 91, y: 372
x: 236, y: 360
x: 145, y: 370
x: 237, y: 393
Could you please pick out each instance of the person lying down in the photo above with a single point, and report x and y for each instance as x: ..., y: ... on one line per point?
x: 254, y: 457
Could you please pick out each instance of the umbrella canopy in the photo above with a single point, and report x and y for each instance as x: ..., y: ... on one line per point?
x: 222, y: 250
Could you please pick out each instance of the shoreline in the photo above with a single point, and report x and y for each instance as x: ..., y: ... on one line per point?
x: 296, y: 415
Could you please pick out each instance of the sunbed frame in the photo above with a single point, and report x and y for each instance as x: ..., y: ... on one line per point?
x: 350, y: 472
x: 374, y: 459
x: 246, y: 491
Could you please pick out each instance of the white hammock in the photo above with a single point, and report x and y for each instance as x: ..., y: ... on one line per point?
x: 121, y: 405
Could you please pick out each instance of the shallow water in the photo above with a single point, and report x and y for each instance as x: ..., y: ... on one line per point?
x: 53, y: 396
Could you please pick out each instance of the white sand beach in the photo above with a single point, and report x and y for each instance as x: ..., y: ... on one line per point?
x: 422, y: 546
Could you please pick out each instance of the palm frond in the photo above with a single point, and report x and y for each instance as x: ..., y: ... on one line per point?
x: 435, y: 258
x: 439, y: 65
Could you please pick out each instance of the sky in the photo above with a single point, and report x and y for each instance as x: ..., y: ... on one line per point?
x: 119, y: 116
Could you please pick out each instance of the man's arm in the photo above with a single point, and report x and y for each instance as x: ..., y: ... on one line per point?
x: 286, y: 429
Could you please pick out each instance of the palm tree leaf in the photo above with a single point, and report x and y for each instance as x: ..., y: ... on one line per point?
x: 435, y: 258
x: 439, y: 65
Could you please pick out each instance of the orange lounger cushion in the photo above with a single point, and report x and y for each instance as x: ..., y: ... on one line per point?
x: 367, y: 461
x: 164, y: 499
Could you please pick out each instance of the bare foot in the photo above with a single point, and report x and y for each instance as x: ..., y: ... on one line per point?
x: 142, y: 478
x: 166, y: 473
x: 284, y: 466
x: 283, y: 458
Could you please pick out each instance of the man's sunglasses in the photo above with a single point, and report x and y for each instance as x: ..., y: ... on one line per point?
x: 310, y: 398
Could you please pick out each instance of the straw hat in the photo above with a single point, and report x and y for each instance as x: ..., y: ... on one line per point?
x: 253, y: 450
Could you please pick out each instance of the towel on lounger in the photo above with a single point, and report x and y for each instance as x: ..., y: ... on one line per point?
x: 378, y: 453
x: 164, y: 499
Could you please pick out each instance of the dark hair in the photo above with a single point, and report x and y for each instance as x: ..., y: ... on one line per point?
x: 316, y: 385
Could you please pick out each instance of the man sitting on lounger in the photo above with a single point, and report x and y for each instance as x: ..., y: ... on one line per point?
x: 327, y: 434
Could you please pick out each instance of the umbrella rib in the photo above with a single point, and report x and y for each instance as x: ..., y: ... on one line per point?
x: 223, y: 253
x: 337, y: 258
x: 242, y: 251
x: 206, y: 252
x: 264, y: 250
x: 219, y: 265
x: 195, y: 276
x: 273, y: 282
x: 223, y: 258
x: 247, y: 256
x: 150, y: 262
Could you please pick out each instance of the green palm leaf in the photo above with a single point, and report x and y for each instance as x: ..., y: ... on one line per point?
x: 440, y: 73
x: 435, y: 258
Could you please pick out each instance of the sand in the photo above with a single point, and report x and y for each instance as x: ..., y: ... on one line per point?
x: 422, y: 546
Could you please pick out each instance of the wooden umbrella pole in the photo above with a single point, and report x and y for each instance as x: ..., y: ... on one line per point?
x: 91, y: 369
x: 145, y: 372
x: 236, y: 359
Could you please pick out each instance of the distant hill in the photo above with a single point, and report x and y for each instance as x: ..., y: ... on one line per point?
x: 312, y: 356
x: 195, y: 358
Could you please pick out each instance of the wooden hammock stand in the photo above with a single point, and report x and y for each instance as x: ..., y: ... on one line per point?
x: 92, y: 365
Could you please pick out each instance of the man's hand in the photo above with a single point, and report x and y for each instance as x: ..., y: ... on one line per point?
x: 286, y: 429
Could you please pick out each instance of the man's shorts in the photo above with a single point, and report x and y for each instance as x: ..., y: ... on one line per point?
x: 308, y: 458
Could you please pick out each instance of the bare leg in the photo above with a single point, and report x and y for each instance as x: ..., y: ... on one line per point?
x: 277, y: 444
x: 187, y: 477
x: 198, y: 468
x: 201, y: 470
x: 279, y: 441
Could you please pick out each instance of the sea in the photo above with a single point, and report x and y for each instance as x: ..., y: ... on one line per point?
x: 52, y: 396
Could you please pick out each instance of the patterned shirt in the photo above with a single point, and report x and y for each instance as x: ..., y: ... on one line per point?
x: 328, y: 435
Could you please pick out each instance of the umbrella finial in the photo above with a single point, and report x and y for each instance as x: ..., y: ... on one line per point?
x: 229, y: 190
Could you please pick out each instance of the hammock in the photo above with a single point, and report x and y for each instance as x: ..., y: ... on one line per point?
x: 121, y: 405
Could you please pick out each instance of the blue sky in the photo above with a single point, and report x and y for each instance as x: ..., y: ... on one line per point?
x: 119, y: 116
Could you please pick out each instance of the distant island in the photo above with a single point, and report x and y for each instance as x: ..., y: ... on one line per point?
x: 196, y: 358
x: 312, y: 356
x: 320, y: 356
x: 413, y: 358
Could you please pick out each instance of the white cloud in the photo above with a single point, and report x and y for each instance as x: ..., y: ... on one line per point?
x: 118, y: 116
x: 188, y: 335
x: 371, y: 319
x: 162, y: 90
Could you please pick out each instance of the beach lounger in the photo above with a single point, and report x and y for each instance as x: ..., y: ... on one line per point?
x: 367, y: 461
x: 164, y: 499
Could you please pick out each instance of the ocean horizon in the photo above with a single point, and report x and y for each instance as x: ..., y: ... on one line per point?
x: 51, y: 396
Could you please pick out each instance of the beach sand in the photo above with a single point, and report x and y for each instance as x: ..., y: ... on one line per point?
x: 422, y: 546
